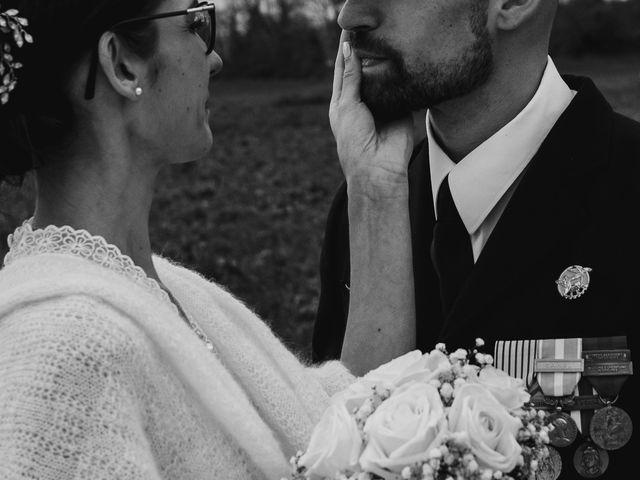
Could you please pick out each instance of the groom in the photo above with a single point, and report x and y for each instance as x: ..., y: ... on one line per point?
x: 532, y: 177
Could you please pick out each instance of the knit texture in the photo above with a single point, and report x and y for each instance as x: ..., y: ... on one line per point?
x: 101, y: 378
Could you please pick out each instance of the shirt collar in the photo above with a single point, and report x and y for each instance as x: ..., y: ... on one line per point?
x: 479, y: 180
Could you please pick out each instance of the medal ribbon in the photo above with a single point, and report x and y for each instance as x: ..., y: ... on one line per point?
x: 553, y: 354
x: 516, y: 357
x: 607, y: 364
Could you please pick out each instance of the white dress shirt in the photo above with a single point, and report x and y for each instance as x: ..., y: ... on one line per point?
x: 483, y: 182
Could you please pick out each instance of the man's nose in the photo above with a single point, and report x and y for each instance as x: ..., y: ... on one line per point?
x: 359, y: 15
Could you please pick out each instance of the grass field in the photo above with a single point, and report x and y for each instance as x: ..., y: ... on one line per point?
x: 252, y: 216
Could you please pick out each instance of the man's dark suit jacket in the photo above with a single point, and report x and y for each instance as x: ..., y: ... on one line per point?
x: 578, y: 203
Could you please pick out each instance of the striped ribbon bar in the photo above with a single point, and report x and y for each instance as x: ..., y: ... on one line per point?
x: 517, y: 358
x: 559, y: 366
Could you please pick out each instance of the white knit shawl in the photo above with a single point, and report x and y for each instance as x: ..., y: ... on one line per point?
x: 229, y: 386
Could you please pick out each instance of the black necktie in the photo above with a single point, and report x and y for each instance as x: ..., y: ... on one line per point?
x: 451, y: 251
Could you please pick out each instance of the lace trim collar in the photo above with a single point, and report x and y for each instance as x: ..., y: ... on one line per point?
x: 26, y: 241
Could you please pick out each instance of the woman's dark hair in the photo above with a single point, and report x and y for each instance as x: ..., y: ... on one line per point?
x: 38, y: 117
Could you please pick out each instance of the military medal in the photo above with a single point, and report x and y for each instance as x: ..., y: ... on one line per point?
x: 558, y: 367
x: 565, y: 430
x: 611, y: 428
x: 573, y: 282
x: 590, y: 461
x: 550, y: 467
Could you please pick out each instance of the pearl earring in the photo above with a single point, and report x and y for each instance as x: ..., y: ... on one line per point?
x: 138, y: 91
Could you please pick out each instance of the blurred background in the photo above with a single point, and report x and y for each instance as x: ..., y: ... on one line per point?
x: 251, y: 216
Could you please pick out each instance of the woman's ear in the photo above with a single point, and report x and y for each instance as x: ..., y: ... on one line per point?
x: 122, y: 69
x: 511, y: 14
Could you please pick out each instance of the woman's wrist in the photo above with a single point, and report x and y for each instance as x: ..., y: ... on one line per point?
x: 378, y: 188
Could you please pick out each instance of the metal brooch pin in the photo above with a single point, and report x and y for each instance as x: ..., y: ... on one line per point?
x: 573, y: 282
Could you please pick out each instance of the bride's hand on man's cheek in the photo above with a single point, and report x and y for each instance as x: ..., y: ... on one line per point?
x: 374, y: 158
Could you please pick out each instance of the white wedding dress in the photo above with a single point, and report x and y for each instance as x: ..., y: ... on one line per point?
x: 101, y: 378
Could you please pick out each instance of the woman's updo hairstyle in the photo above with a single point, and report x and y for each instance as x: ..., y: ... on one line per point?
x: 38, y: 117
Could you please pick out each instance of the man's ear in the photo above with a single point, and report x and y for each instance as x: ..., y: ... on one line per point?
x: 122, y: 69
x: 510, y: 14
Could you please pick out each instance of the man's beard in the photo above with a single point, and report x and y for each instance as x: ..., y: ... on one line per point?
x: 400, y: 90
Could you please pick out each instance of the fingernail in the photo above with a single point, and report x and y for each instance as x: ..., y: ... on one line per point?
x: 346, y: 50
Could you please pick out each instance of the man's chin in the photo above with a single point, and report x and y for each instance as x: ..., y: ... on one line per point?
x: 384, y: 105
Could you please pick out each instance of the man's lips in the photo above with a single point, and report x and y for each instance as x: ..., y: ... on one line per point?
x: 363, y: 54
x: 372, y: 62
x: 369, y: 59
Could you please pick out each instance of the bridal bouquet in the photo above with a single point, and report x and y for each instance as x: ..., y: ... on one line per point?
x: 436, y: 416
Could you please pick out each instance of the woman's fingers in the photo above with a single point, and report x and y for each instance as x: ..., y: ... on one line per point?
x: 338, y: 71
x: 352, y: 75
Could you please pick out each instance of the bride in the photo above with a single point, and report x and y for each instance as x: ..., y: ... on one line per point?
x: 117, y: 363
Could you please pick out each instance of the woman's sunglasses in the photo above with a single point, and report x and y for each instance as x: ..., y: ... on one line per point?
x: 204, y: 25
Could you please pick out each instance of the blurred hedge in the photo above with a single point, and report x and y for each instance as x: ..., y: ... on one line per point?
x: 298, y: 38
x: 597, y: 26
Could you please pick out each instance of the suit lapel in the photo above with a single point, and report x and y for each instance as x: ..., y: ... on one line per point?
x: 542, y: 213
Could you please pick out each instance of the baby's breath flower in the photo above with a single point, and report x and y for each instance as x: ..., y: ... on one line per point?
x: 406, y: 473
x: 459, y: 354
x: 479, y: 342
x: 442, y: 347
x: 497, y: 474
x: 486, y: 474
x: 446, y: 391
x: 435, y: 453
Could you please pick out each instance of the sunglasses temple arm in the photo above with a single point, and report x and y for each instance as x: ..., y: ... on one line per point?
x: 90, y: 88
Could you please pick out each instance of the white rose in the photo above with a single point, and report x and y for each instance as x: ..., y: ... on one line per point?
x: 403, y: 430
x: 385, y: 375
x: 490, y: 429
x: 509, y: 391
x: 412, y: 366
x: 427, y: 368
x: 335, y: 444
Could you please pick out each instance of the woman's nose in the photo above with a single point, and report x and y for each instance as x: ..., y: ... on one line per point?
x: 215, y: 63
x: 359, y: 15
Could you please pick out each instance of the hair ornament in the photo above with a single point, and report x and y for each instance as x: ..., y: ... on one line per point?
x: 12, y: 32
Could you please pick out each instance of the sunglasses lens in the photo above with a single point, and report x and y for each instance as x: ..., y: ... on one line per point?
x: 205, y: 28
